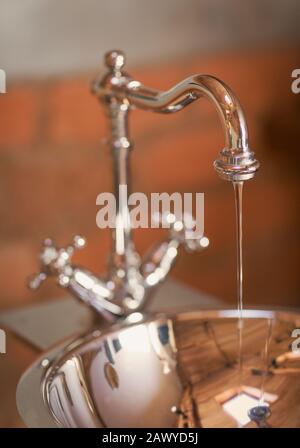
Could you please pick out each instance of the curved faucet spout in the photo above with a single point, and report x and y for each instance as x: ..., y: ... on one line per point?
x: 189, y: 90
x: 235, y: 162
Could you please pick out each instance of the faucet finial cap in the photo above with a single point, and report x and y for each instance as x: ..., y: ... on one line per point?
x: 115, y: 60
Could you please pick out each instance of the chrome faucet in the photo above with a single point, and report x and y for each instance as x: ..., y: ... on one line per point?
x: 131, y: 280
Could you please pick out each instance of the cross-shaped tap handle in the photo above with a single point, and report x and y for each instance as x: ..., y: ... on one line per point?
x: 55, y: 261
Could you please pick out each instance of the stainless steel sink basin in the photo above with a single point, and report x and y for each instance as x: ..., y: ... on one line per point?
x: 165, y: 371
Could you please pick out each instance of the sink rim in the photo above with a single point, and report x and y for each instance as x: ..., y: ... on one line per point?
x: 31, y: 401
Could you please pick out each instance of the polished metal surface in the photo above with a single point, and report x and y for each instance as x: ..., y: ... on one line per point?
x: 165, y: 371
x: 131, y: 280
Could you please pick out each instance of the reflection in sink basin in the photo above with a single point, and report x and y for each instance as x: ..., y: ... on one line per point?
x: 163, y: 371
x: 118, y: 380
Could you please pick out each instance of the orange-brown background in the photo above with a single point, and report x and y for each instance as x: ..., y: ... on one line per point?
x: 54, y: 163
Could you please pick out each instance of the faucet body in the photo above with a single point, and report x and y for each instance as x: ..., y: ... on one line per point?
x: 131, y: 280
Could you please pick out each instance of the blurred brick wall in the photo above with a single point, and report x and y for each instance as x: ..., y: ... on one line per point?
x: 53, y: 164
